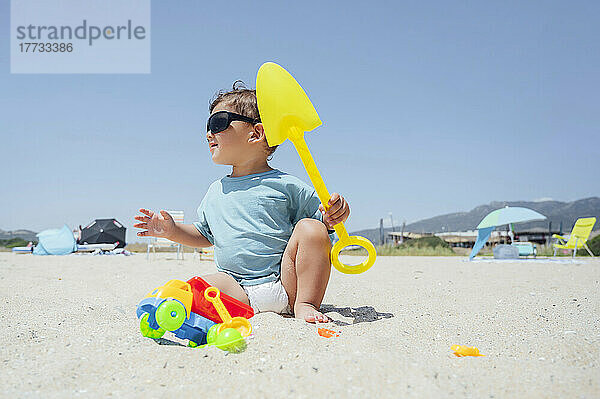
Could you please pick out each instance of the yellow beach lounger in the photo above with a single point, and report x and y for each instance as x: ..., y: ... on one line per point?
x: 579, y: 235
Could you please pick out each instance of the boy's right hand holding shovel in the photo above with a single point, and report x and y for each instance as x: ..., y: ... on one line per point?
x: 155, y: 225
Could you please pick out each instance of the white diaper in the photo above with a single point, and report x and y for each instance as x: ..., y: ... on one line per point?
x: 268, y: 297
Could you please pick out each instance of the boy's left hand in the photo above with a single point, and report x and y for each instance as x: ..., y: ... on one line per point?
x: 338, y: 211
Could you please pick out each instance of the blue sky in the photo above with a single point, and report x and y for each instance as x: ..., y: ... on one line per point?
x: 428, y: 108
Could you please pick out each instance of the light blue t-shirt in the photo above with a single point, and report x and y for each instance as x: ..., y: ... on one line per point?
x: 250, y: 219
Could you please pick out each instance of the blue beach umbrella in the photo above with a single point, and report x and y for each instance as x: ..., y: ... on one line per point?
x: 508, y: 215
x: 499, y: 217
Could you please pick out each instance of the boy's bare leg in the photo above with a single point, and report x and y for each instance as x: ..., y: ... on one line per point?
x: 227, y: 285
x: 305, y: 269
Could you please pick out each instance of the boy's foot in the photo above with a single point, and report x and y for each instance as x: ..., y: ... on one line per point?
x: 309, y: 313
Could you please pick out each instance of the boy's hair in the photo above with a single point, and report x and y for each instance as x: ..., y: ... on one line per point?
x: 243, y: 101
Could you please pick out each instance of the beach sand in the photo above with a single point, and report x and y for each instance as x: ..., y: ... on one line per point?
x: 68, y: 329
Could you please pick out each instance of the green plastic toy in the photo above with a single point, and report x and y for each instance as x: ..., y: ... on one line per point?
x: 211, y: 336
x: 230, y: 340
x: 170, y: 315
x: 150, y: 332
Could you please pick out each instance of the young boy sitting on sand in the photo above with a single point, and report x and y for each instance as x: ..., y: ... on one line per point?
x: 271, y: 233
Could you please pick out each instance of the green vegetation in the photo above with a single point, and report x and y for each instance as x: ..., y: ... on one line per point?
x: 431, y: 242
x: 388, y: 250
x: 14, y: 242
x: 548, y: 250
x: 594, y: 245
x: 426, y: 246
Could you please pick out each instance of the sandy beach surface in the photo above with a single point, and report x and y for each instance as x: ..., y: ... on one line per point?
x: 68, y: 329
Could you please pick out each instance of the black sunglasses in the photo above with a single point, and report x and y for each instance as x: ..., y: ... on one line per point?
x: 220, y: 121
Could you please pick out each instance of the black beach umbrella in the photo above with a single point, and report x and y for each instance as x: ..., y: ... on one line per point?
x: 103, y: 231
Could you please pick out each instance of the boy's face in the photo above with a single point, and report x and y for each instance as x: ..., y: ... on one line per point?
x: 233, y: 145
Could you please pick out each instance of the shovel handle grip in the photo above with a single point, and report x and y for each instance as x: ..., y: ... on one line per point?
x: 217, y: 303
x: 353, y: 240
x: 296, y: 136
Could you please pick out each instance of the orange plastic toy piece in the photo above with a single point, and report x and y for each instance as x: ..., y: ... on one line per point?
x: 462, y: 350
x: 324, y: 332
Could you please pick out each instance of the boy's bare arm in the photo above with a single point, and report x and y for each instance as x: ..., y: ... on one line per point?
x: 188, y: 234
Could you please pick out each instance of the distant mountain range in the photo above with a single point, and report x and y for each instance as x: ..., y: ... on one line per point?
x: 27, y: 235
x: 555, y: 211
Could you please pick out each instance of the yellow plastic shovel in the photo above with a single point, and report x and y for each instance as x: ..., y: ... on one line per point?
x: 286, y: 113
